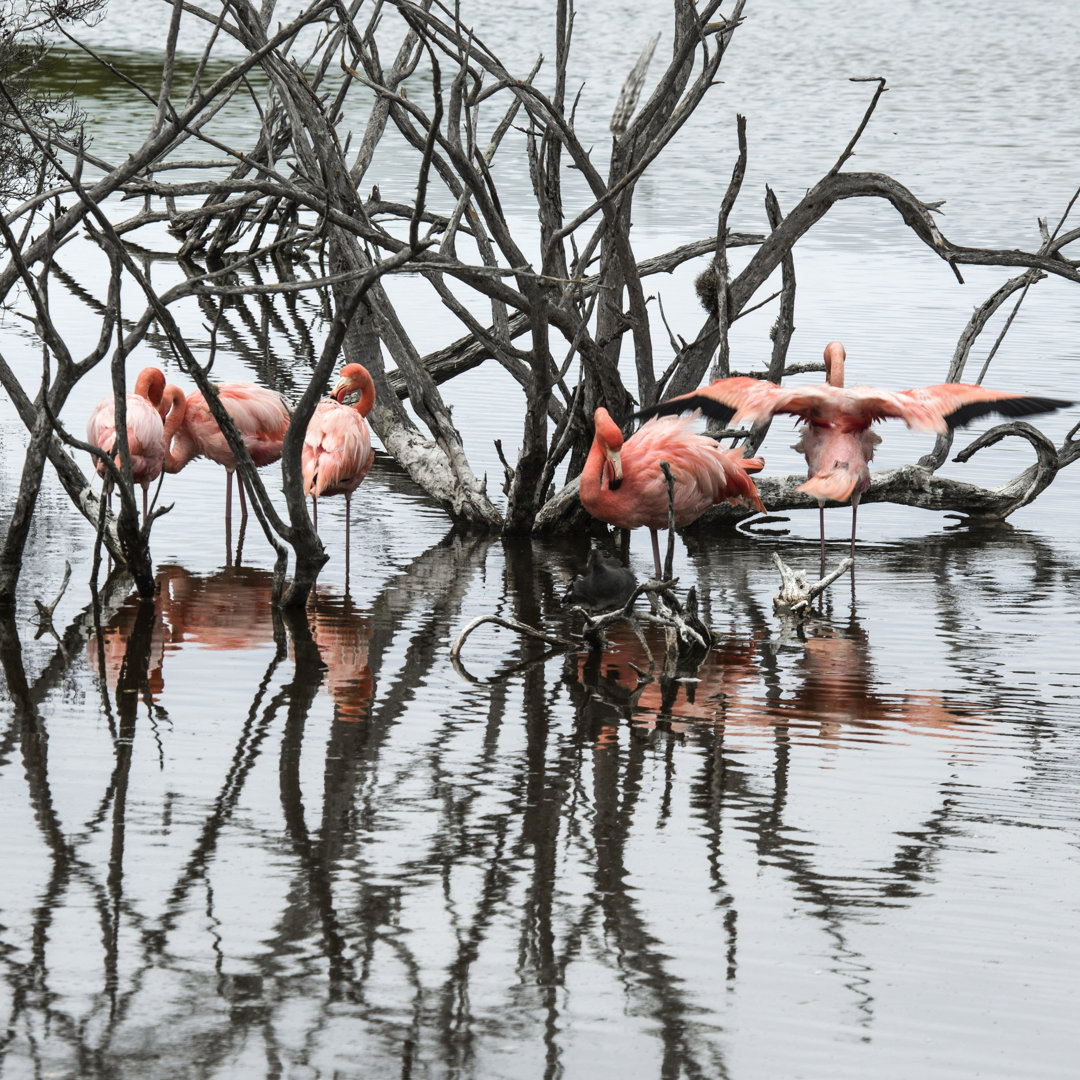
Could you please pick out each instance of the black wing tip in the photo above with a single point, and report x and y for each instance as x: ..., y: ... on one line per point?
x: 1017, y: 406
x: 687, y: 403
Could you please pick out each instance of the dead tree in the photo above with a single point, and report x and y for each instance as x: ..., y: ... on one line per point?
x: 559, y: 321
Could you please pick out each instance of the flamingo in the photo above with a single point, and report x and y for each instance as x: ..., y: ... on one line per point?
x: 261, y: 416
x: 837, y: 441
x: 623, y: 485
x: 337, y: 452
x: 145, y: 431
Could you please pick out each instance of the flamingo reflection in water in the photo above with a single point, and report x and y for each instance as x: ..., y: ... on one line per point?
x: 620, y: 676
x: 206, y: 611
x: 343, y: 637
x: 834, y: 690
x: 114, y: 654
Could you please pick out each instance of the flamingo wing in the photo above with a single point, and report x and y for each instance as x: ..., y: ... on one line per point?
x: 145, y: 431
x: 337, y: 450
x: 743, y: 399
x: 703, y: 473
x: 101, y: 427
x: 950, y: 405
x: 260, y: 415
x: 146, y: 439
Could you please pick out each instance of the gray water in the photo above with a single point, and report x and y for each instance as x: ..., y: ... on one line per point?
x: 238, y: 847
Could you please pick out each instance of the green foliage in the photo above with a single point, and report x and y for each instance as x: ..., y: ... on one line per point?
x: 24, y: 106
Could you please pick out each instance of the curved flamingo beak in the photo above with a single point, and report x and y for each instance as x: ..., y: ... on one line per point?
x: 614, y: 468
x: 341, y: 388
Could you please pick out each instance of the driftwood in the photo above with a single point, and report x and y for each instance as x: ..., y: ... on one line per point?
x: 796, y: 593
x: 919, y: 486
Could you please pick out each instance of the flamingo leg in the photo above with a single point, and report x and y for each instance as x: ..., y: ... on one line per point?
x: 656, y: 555
x: 348, y: 507
x: 228, y: 517
x: 854, y: 511
x: 821, y: 515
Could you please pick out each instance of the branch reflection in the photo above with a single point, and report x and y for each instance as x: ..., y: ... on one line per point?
x: 310, y: 833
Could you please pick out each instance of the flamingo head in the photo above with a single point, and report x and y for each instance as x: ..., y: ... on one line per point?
x: 835, y: 354
x: 151, y: 385
x: 609, y: 439
x: 353, y: 378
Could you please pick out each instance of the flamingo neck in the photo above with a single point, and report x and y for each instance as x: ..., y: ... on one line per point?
x: 366, y: 386
x: 835, y: 355
x: 151, y: 385
x: 179, y: 446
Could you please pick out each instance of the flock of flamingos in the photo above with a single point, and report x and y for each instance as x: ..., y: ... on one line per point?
x: 167, y: 428
x: 622, y: 483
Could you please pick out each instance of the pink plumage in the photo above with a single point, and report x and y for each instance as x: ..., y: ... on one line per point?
x: 622, y: 482
x: 337, y: 452
x: 837, y: 441
x: 261, y: 417
x: 145, y: 431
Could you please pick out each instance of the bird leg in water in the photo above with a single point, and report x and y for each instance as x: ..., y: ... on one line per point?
x: 821, y: 523
x: 348, y: 514
x: 669, y: 558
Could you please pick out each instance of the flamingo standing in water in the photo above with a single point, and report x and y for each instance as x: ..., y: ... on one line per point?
x: 622, y: 482
x: 145, y: 431
x: 337, y: 452
x: 837, y: 441
x: 261, y: 417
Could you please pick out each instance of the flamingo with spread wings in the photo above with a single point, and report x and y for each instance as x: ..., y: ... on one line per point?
x: 337, y: 452
x: 145, y: 431
x: 837, y: 441
x: 622, y: 482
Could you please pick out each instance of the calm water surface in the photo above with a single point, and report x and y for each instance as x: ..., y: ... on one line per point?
x: 238, y: 846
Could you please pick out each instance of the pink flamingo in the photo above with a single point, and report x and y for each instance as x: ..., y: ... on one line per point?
x: 145, y: 431
x: 337, y: 453
x: 622, y: 482
x: 261, y: 417
x: 837, y: 441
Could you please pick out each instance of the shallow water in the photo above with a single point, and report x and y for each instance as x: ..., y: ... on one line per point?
x: 240, y: 846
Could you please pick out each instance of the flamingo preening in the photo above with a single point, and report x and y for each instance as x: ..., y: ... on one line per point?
x: 337, y: 452
x: 837, y: 441
x: 622, y: 482
x: 261, y: 417
x: 145, y: 431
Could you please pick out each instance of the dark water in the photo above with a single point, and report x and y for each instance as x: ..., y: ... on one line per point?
x: 238, y: 846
